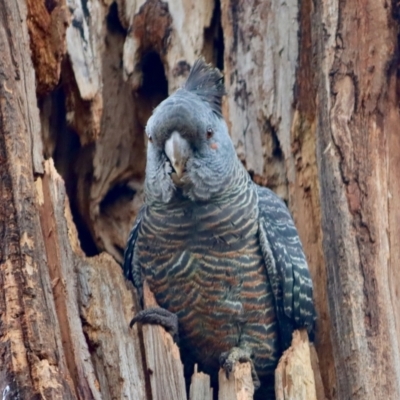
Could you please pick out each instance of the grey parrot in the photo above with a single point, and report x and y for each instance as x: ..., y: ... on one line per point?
x: 220, y: 253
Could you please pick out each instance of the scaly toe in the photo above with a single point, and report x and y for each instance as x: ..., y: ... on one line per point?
x: 158, y: 316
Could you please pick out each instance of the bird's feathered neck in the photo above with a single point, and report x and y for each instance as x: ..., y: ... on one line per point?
x: 207, y: 83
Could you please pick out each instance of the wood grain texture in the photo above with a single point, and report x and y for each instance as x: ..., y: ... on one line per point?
x: 47, y: 23
x: 18, y: 70
x: 304, y: 191
x: 163, y: 361
x: 260, y: 62
x: 294, y: 376
x: 61, y: 268
x: 313, y: 109
x: 356, y: 118
x: 93, y: 305
x: 270, y: 108
x: 106, y: 307
x: 43, y: 347
x: 32, y: 360
x: 239, y: 386
x: 200, y: 386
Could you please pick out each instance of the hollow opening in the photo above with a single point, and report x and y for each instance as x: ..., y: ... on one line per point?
x: 120, y: 142
x: 154, y: 88
x: 62, y: 143
x: 113, y: 22
x: 213, y: 48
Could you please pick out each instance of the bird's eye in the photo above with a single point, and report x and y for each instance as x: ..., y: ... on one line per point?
x: 209, y: 132
x: 150, y: 138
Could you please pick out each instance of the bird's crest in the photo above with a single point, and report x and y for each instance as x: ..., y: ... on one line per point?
x: 207, y: 82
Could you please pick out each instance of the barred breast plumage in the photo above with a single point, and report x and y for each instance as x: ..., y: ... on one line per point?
x: 208, y: 268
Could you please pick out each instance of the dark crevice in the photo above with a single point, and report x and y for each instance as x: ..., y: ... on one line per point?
x: 115, y: 193
x: 154, y: 83
x: 219, y: 39
x: 154, y: 87
x: 50, y: 5
x: 276, y: 146
x: 85, y: 9
x: 63, y: 145
x: 394, y: 65
x: 213, y: 49
x: 75, y: 162
x: 113, y: 22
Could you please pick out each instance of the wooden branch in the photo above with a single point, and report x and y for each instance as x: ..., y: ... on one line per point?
x: 239, y: 386
x: 294, y: 376
x: 163, y: 359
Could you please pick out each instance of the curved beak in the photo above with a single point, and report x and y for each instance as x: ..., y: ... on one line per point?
x: 177, y: 150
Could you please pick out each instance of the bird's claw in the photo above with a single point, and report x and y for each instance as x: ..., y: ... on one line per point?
x: 158, y: 316
x: 228, y: 359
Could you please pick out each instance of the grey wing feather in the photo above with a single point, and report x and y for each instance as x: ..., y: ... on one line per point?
x: 286, y: 265
x: 132, y: 269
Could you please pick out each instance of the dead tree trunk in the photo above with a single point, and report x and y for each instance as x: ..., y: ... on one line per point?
x: 358, y: 156
x: 312, y: 107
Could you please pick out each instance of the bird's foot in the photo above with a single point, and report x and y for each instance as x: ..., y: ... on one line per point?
x: 228, y: 359
x: 158, y: 316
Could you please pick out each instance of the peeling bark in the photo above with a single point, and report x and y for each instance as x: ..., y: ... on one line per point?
x: 47, y: 23
x: 43, y: 346
x: 356, y: 112
x: 32, y: 357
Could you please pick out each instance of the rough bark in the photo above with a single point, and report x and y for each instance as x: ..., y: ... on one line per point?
x: 270, y: 108
x: 48, y: 345
x: 32, y: 357
x: 357, y: 152
x: 312, y: 107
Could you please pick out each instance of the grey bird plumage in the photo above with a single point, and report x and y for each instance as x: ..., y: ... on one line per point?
x: 220, y: 253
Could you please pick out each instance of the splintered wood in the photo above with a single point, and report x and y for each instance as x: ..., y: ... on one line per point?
x: 239, y: 386
x: 165, y: 368
x: 297, y: 376
x: 163, y: 360
x: 294, y: 376
x: 200, y: 386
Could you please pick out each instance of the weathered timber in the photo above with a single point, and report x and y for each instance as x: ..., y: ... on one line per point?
x: 200, y: 386
x: 312, y: 106
x: 44, y: 350
x: 32, y: 362
x: 358, y: 153
x: 270, y: 109
x: 294, y: 376
x: 239, y: 385
x: 163, y: 361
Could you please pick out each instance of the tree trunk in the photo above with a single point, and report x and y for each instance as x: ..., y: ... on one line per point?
x: 358, y: 152
x: 312, y: 109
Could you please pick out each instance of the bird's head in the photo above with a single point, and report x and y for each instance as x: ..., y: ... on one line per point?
x: 189, y: 148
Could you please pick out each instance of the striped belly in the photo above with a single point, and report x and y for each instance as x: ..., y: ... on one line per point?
x: 206, y: 266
